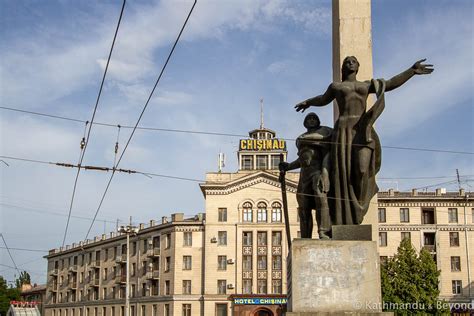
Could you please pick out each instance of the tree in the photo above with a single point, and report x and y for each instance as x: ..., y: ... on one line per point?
x: 410, y: 282
x: 7, y: 294
x: 24, y: 278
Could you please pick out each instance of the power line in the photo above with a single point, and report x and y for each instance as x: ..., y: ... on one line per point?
x: 9, y: 253
x: 23, y: 249
x: 141, y: 115
x: 221, y: 133
x: 92, y: 121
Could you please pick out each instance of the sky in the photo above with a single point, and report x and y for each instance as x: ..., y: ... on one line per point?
x: 232, y: 54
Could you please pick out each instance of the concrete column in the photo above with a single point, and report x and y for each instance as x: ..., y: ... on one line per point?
x: 352, y: 36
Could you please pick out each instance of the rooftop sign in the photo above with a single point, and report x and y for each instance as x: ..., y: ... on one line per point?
x: 260, y: 301
x: 262, y: 144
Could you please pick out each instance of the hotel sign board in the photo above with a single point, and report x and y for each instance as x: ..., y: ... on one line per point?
x: 260, y: 301
x: 262, y: 144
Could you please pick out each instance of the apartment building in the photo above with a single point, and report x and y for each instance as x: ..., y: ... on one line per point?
x: 441, y: 222
x: 232, y: 259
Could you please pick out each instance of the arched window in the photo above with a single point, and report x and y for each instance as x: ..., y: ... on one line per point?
x: 247, y: 212
x: 261, y: 212
x: 276, y: 212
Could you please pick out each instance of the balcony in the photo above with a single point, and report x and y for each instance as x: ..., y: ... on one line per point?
x: 430, y: 248
x: 121, y: 259
x: 120, y: 279
x: 73, y: 285
x: 53, y: 272
x: 95, y: 264
x: 94, y: 282
x: 153, y: 274
x: 73, y: 269
x: 153, y: 252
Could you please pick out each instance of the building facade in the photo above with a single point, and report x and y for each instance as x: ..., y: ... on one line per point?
x: 232, y: 259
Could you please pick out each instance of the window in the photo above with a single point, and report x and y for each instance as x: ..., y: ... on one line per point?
x: 383, y: 239
x: 276, y: 262
x: 262, y: 286
x: 247, y: 238
x: 453, y: 215
x: 187, y: 262
x: 472, y: 215
x: 133, y: 290
x: 186, y: 286
x: 104, y: 293
x: 455, y: 264
x: 262, y: 262
x: 262, y: 162
x: 167, y: 264
x: 247, y: 263
x: 221, y: 262
x: 454, y: 239
x: 144, y: 288
x: 276, y: 238
x: 247, y: 212
x: 134, y: 269
x: 276, y: 286
x: 247, y: 162
x: 222, y: 214
x: 382, y: 215
x: 261, y: 212
x: 276, y: 212
x: 261, y: 238
x: 186, y: 309
x: 457, y: 286
x: 222, y: 238
x: 167, y: 287
x: 275, y: 161
x: 143, y: 311
x: 247, y: 287
x: 404, y: 215
x: 154, y: 310
x: 221, y: 310
x: 428, y: 216
x: 187, y: 239
x: 406, y: 235
x: 167, y: 241
x: 167, y: 310
x: 155, y: 287
x: 221, y: 286
x: 156, y: 242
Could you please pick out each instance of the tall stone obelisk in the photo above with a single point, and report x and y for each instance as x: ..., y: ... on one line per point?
x: 352, y: 36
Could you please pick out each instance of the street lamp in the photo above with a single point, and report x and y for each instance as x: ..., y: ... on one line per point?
x: 129, y: 230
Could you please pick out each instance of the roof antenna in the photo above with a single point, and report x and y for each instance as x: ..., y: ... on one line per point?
x: 261, y: 113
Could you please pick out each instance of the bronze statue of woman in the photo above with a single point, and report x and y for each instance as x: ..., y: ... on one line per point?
x: 355, y: 149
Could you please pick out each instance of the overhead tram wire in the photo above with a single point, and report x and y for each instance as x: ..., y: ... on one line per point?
x: 141, y: 115
x: 23, y: 249
x: 158, y: 129
x: 9, y: 253
x: 83, y: 150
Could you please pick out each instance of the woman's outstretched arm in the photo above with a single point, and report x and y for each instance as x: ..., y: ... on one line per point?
x: 417, y: 69
x: 319, y: 100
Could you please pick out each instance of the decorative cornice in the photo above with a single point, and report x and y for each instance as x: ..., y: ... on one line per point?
x: 246, y: 182
x: 454, y: 228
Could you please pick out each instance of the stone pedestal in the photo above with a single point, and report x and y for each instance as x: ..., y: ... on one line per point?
x: 333, y: 277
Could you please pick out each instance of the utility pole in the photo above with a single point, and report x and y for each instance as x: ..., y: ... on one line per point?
x: 129, y: 230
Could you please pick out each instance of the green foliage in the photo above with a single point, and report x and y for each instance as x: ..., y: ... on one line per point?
x: 7, y: 294
x: 24, y: 278
x: 410, y: 282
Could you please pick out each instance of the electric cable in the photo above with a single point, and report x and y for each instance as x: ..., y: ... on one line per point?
x: 9, y: 253
x: 83, y: 148
x: 141, y: 115
x: 228, y: 134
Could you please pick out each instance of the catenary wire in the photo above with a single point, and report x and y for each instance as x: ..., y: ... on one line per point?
x: 223, y: 134
x: 141, y: 115
x: 9, y: 253
x: 92, y: 120
x: 24, y: 249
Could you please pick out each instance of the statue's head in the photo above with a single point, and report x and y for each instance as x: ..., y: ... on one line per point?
x: 350, y: 64
x: 311, y: 121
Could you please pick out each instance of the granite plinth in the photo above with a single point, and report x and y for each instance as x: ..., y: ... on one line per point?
x: 334, y: 276
x: 352, y: 232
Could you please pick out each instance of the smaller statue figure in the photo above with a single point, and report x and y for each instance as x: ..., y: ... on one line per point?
x: 313, y: 160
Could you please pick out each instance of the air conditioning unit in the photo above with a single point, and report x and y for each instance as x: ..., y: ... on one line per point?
x: 213, y: 240
x: 150, y: 242
x: 230, y: 286
x: 230, y: 261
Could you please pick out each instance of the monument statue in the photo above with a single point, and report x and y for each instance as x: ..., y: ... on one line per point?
x: 313, y: 159
x: 355, y: 153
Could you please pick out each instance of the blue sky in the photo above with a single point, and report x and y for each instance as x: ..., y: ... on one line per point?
x: 232, y: 53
